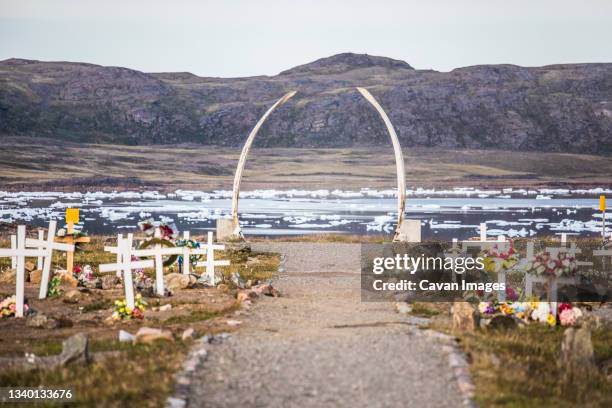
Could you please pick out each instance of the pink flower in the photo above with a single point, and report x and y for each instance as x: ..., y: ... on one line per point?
x: 567, y: 317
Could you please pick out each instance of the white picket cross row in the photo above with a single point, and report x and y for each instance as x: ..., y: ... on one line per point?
x: 124, y: 248
x: 483, y: 231
x: 13, y: 246
x: 20, y: 252
x: 47, y: 246
x: 210, y: 262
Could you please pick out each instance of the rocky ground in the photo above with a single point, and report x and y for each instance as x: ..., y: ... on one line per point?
x: 318, y: 345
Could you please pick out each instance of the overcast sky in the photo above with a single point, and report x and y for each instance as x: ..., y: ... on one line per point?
x: 262, y: 37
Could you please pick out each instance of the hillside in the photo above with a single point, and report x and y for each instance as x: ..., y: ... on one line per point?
x: 561, y: 108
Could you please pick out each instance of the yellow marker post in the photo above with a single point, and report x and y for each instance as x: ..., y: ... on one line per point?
x: 72, y: 217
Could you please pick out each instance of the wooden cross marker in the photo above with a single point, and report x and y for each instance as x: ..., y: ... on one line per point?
x: 40, y: 259
x: 20, y: 252
x: 210, y: 262
x: 13, y: 246
x: 47, y: 246
x: 72, y: 217
x: 124, y: 247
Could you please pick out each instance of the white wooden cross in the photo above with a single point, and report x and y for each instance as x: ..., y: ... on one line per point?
x: 47, y: 246
x: 124, y: 248
x: 484, y: 243
x: 20, y: 252
x: 13, y: 246
x: 552, y: 281
x: 210, y: 262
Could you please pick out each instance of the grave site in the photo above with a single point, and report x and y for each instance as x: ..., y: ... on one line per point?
x: 194, y: 215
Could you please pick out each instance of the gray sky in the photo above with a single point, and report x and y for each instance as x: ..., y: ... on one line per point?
x: 239, y: 38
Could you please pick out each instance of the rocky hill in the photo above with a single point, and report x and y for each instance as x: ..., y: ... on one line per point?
x: 564, y: 108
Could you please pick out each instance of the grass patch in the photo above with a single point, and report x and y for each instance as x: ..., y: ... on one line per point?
x: 520, y: 368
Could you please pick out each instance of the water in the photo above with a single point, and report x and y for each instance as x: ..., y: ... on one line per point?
x: 444, y: 214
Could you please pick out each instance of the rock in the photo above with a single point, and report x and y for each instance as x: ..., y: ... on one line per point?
x: 465, y: 317
x: 266, y: 290
x: 74, y: 296
x: 188, y: 334
x: 165, y: 308
x: 238, y: 246
x: 68, y: 280
x: 177, y: 281
x: 41, y: 321
x: 501, y: 322
x: 147, y: 335
x: 577, y: 357
x: 75, y: 349
x: 8, y: 276
x: 242, y: 296
x: 110, y: 282
x: 233, y: 322
x: 403, y: 308
x: 125, y: 337
x: 36, y: 276
x: 237, y: 280
x: 222, y: 287
x: 30, y: 266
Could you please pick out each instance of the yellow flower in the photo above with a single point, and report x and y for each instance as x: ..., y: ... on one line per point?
x: 551, y: 320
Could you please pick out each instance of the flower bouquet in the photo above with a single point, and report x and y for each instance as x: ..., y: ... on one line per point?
x: 549, y: 265
x: 123, y: 312
x: 168, y: 232
x: 85, y: 275
x: 9, y: 305
x: 500, y: 256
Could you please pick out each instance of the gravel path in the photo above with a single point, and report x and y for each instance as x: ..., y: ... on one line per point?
x: 319, y: 346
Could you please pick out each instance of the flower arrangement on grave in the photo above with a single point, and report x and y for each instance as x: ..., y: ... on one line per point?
x: 499, y: 256
x: 190, y: 243
x: 168, y: 231
x: 545, y: 264
x: 8, y: 307
x: 54, y: 288
x: 85, y: 275
x: 123, y: 312
x: 141, y: 280
x: 568, y: 314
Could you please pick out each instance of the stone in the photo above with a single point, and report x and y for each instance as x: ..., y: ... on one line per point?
x: 577, y: 360
x: 403, y: 308
x: 410, y: 231
x: 30, y: 266
x: 68, y: 280
x: 126, y: 337
x: 501, y: 322
x: 110, y: 282
x: 74, y: 296
x: 165, y: 308
x: 177, y: 281
x: 237, y: 280
x: 222, y: 287
x: 225, y: 229
x: 465, y: 317
x: 147, y: 335
x: 8, y: 276
x: 41, y: 321
x: 36, y: 276
x: 188, y: 334
x: 242, y: 296
x: 266, y: 290
x: 233, y: 322
x: 75, y: 350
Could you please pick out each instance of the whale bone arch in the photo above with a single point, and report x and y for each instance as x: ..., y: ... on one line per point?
x: 399, y: 161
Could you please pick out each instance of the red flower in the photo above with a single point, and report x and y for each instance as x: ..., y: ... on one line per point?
x: 564, y: 306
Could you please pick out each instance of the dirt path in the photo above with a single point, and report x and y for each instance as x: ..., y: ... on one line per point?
x: 319, y: 346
